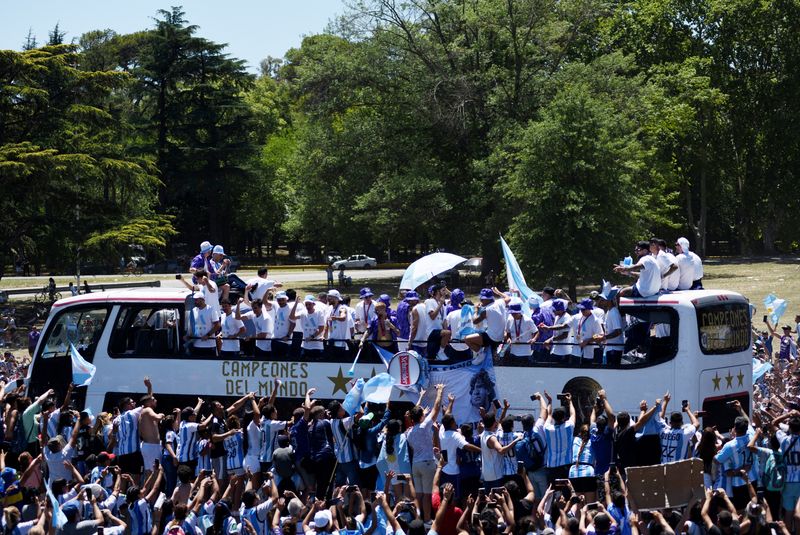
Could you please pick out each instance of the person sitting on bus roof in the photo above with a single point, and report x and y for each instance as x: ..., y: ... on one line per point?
x: 667, y: 262
x: 646, y: 269
x: 683, y: 243
x: 259, y: 285
x: 201, y: 260
x: 204, y: 324
x: 218, y: 270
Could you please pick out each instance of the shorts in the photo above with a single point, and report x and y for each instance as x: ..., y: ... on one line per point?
x: 130, y: 463
x: 219, y: 465
x: 422, y: 473
x: 791, y: 493
x: 252, y: 464
x: 635, y: 292
x: 434, y: 344
x: 150, y: 452
x: 486, y: 341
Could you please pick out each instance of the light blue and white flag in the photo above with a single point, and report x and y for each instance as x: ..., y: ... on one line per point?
x: 516, y: 280
x: 384, y: 354
x: 378, y: 389
x: 82, y: 371
x: 352, y: 401
x: 760, y: 368
x: 59, y: 518
x: 775, y: 308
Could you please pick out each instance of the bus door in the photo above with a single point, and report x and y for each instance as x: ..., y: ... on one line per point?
x: 723, y: 330
x: 79, y: 326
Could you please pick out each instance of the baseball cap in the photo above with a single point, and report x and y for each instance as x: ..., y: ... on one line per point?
x: 322, y: 519
x: 586, y: 304
x: 335, y: 293
x: 310, y: 299
x: 206, y: 247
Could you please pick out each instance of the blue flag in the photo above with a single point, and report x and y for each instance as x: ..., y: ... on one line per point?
x: 82, y: 371
x: 516, y: 280
x: 760, y: 368
x: 378, y: 389
x: 384, y: 354
x: 352, y: 401
x: 775, y: 308
x: 59, y: 518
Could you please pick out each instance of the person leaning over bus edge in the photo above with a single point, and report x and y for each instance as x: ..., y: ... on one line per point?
x: 646, y: 269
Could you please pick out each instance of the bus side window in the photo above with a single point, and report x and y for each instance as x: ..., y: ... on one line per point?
x: 147, y: 331
x: 651, y: 335
x: 81, y: 328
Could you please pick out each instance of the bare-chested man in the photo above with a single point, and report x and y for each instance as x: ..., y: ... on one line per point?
x: 148, y: 430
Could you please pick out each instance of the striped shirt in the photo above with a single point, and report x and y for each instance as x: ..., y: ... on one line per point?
x: 269, y: 438
x: 510, y: 457
x: 583, y: 458
x: 790, y: 447
x: 735, y: 455
x: 141, y: 523
x: 558, y: 439
x: 187, y: 442
x: 342, y: 442
x: 257, y: 516
x: 203, y: 455
x: 52, y: 423
x: 675, y: 442
x: 128, y: 431
x: 234, y: 452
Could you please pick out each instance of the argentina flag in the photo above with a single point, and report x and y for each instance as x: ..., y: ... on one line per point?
x: 82, y: 371
x: 516, y: 281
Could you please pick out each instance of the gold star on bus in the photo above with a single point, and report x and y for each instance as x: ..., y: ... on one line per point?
x: 740, y: 378
x: 339, y: 382
x: 729, y: 380
x: 716, y: 379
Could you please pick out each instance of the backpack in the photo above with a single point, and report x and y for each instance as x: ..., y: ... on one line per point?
x: 775, y: 472
x: 530, y: 451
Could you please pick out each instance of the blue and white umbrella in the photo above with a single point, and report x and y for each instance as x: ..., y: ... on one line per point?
x: 427, y: 268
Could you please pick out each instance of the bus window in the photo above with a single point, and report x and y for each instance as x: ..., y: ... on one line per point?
x: 81, y: 328
x: 146, y: 330
x: 723, y: 328
x: 651, y: 335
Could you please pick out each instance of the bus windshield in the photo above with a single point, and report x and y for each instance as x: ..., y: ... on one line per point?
x: 80, y: 327
x: 723, y: 327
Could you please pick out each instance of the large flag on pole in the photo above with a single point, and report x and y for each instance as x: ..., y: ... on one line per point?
x: 775, y: 308
x: 82, y: 371
x: 516, y: 280
x: 59, y: 518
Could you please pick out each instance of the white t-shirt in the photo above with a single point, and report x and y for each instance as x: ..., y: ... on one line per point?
x: 298, y: 327
x: 496, y: 320
x: 339, y: 331
x: 586, y: 329
x: 456, y: 323
x: 204, y: 320
x: 698, y: 266
x: 260, y: 287
x: 281, y: 328
x: 450, y: 441
x: 520, y: 332
x: 265, y: 323
x: 365, y: 313
x: 55, y: 463
x: 212, y: 298
x: 438, y: 320
x: 311, y: 323
x: 562, y: 347
x: 424, y: 325
x: 614, y: 322
x: 685, y: 271
x: 649, y: 282
x: 230, y: 331
x: 671, y: 282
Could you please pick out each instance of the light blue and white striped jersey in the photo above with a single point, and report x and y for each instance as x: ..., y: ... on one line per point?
x: 128, y: 431
x: 52, y: 423
x: 510, y: 457
x: 187, y: 442
x: 22, y: 528
x: 234, y: 451
x: 342, y: 442
x: 257, y: 516
x: 203, y: 455
x: 558, y: 439
x: 675, y: 442
x: 583, y: 459
x: 141, y: 523
x: 735, y: 455
x: 269, y: 438
x: 790, y: 447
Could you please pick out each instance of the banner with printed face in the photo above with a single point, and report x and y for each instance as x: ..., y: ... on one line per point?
x: 473, y: 383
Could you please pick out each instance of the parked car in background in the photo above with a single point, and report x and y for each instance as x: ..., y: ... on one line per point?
x: 356, y: 261
x: 164, y: 266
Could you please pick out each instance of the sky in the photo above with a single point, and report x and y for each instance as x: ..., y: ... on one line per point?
x: 253, y: 29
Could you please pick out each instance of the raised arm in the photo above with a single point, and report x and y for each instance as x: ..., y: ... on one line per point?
x: 434, y: 416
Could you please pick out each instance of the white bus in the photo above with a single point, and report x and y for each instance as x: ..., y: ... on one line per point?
x: 704, y: 356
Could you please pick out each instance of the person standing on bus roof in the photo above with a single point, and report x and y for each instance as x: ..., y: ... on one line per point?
x: 313, y: 323
x: 646, y: 269
x: 264, y: 324
x: 612, y: 329
x: 365, y: 310
x: 558, y: 343
x: 588, y: 331
x: 232, y: 329
x: 697, y: 283
x: 125, y: 434
x: 336, y: 325
x: 148, y: 431
x: 204, y: 324
x: 283, y: 327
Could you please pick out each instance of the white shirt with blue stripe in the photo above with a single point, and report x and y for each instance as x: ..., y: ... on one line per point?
x: 187, y: 442
x: 558, y: 439
x: 342, y: 442
x: 269, y: 438
x: 675, y: 442
x: 583, y: 459
x: 203, y: 455
x: 257, y: 516
x: 128, y: 431
x: 234, y: 452
x: 141, y: 523
x: 790, y: 447
x: 735, y: 455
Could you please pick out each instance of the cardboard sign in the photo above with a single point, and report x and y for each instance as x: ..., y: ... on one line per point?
x: 665, y: 485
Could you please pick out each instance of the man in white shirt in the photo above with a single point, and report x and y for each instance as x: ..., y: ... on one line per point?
x: 613, y: 329
x: 420, y: 324
x: 492, y: 317
x: 258, y: 286
x: 313, y: 324
x: 685, y: 268
x: 646, y: 269
x: 203, y: 326
x: 589, y: 331
x: 520, y: 334
x: 206, y: 286
x: 682, y: 247
x: 264, y: 326
x: 283, y: 328
x: 337, y: 322
x: 450, y: 441
x: 365, y: 310
x: 561, y: 328
x: 435, y: 312
x: 670, y: 275
x: 231, y: 330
